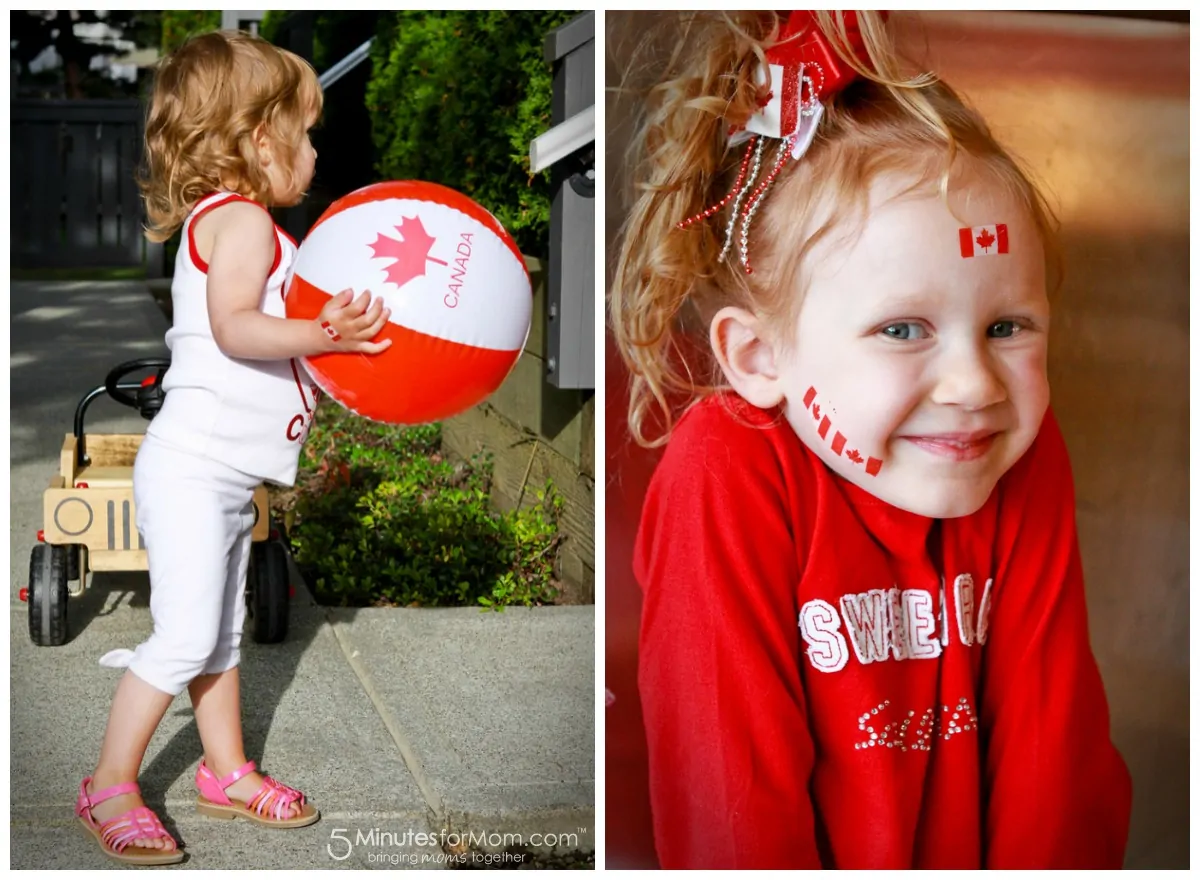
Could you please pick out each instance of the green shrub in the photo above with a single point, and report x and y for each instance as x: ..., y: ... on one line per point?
x: 381, y: 517
x: 456, y: 97
x: 274, y: 21
x: 177, y: 26
x: 268, y: 27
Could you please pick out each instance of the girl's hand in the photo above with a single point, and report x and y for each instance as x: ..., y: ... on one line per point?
x: 349, y: 325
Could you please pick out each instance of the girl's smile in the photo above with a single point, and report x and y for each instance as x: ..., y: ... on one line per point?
x: 956, y: 447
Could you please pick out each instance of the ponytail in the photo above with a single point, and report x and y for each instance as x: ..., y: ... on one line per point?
x: 661, y: 272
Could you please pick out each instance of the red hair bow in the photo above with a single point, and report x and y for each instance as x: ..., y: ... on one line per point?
x: 802, y: 56
x: 803, y: 71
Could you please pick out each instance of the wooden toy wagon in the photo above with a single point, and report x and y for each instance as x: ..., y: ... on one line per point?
x: 88, y: 520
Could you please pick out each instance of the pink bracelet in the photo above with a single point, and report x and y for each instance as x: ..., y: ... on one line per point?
x: 332, y: 333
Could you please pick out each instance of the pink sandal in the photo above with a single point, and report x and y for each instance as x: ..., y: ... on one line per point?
x: 116, y: 834
x: 268, y: 806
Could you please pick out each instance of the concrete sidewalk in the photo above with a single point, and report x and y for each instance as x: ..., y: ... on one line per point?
x: 398, y: 723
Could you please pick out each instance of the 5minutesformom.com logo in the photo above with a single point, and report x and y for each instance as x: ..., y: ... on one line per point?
x: 340, y: 846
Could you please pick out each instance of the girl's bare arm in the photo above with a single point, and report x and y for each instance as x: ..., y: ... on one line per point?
x: 243, y: 248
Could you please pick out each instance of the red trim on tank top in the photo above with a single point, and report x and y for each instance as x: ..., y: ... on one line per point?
x: 233, y: 197
x: 300, y: 386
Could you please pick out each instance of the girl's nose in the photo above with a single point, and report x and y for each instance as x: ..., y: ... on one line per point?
x: 967, y: 378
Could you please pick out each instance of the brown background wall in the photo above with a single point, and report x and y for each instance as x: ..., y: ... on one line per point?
x: 537, y: 432
x: 1098, y: 108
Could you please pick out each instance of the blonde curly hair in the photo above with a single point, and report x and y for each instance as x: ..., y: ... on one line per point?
x: 211, y: 98
x: 668, y: 282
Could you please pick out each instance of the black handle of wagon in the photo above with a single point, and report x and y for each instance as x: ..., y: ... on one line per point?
x: 146, y: 397
x: 117, y: 391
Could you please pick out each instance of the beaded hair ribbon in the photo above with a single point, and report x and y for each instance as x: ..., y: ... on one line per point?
x: 803, y: 71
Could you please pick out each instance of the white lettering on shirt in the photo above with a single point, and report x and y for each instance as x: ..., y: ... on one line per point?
x: 898, y: 625
x: 819, y: 626
x: 942, y: 622
x: 985, y: 608
x: 867, y: 621
x: 893, y: 624
x: 964, y: 604
x: 921, y: 626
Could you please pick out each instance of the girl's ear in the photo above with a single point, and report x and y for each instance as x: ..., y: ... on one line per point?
x: 746, y: 356
x: 263, y: 143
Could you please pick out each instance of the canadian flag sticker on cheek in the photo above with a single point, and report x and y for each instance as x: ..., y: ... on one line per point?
x: 838, y: 442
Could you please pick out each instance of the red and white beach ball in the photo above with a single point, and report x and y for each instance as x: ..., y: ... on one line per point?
x: 455, y: 281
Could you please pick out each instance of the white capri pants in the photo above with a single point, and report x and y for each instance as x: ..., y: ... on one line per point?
x: 195, y: 516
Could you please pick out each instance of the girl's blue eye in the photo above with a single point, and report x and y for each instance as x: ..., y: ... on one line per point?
x: 1003, y: 330
x: 904, y: 330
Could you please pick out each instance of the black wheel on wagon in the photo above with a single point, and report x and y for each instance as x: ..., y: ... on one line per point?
x: 73, y: 552
x: 267, y: 589
x: 48, y: 595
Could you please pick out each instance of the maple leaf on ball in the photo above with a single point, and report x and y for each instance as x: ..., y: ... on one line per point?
x: 985, y: 239
x: 410, y: 253
x: 816, y: 412
x: 854, y: 456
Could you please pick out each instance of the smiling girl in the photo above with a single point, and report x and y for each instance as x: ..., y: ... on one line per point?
x: 864, y: 637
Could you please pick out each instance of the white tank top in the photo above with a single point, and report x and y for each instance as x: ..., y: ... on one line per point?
x: 251, y: 415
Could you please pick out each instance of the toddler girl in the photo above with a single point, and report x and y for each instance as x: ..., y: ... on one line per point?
x: 226, y: 136
x: 864, y: 639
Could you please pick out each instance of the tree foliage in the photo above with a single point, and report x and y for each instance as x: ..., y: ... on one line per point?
x: 456, y: 97
x: 178, y: 25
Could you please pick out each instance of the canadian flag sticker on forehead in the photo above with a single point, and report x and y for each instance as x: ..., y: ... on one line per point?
x: 983, y: 241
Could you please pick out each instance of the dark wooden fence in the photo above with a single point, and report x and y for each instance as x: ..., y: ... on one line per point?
x: 74, y: 200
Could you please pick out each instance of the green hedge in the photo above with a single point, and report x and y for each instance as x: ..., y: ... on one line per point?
x: 273, y: 21
x: 178, y: 26
x: 456, y: 97
x: 381, y: 517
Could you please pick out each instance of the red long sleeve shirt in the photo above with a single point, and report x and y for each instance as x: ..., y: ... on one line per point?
x: 829, y: 681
